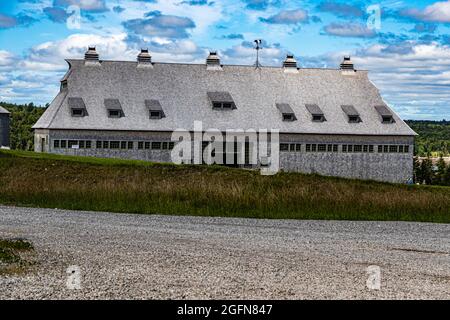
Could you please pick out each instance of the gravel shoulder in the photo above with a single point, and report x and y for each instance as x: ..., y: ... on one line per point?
x: 126, y: 256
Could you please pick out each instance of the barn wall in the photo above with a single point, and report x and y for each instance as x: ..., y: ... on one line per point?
x: 390, y: 167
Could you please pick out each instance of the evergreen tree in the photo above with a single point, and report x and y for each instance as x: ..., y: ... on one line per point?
x: 426, y: 169
x: 441, y: 171
x: 418, y: 177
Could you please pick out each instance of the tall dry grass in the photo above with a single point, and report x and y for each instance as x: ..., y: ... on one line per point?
x: 128, y: 186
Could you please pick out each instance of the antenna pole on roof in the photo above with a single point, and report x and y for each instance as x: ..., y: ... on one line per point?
x: 258, y: 47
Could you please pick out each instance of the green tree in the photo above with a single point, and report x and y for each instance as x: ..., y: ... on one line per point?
x: 426, y: 169
x: 441, y: 171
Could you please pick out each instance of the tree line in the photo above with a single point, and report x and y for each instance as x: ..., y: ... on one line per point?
x: 23, y: 117
x: 425, y: 172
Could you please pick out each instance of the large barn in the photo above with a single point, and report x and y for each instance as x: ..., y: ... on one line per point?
x: 331, y: 121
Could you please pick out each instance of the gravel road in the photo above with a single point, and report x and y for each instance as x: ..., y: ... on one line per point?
x: 162, y: 257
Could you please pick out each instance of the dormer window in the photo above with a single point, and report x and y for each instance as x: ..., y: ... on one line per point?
x: 114, y: 108
x: 316, y: 113
x: 77, y: 107
x: 387, y: 119
x: 286, y: 111
x: 155, y: 109
x: 318, y: 118
x: 352, y: 113
x: 77, y: 112
x: 385, y: 113
x: 221, y: 100
x: 114, y: 113
x: 155, y: 115
x: 354, y: 119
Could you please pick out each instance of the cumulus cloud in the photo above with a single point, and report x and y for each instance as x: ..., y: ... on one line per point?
x: 414, y: 77
x: 287, y: 17
x: 232, y: 36
x: 21, y: 19
x: 437, y: 12
x: 342, y: 10
x: 87, y: 5
x: 7, y: 21
x: 356, y: 30
x: 56, y: 14
x: 159, y: 25
x: 244, y: 53
x: 49, y: 56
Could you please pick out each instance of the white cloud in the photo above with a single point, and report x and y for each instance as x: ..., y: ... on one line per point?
x: 437, y: 12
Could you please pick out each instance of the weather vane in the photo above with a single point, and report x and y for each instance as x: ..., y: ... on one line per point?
x: 258, y: 47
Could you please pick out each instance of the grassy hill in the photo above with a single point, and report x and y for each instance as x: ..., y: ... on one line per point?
x: 44, y: 180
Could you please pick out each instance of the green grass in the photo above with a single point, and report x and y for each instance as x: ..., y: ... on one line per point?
x: 79, y: 183
x: 12, y: 252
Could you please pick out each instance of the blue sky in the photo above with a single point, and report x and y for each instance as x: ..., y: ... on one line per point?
x: 404, y: 44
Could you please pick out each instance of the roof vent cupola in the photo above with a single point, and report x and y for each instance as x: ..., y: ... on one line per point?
x: 213, y: 61
x: 347, y: 65
x: 144, y: 58
x: 91, y: 56
x: 290, y: 64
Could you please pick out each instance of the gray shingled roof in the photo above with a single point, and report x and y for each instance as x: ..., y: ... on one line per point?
x: 350, y: 110
x: 113, y: 104
x: 76, y: 103
x: 182, y: 90
x: 3, y: 110
x: 314, y: 109
x: 383, y: 110
x: 284, y: 108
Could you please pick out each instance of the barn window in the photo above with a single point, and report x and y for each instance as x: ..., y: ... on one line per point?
x: 357, y: 148
x: 88, y: 144
x: 322, y: 147
x: 77, y: 106
x: 221, y: 100
x: 392, y: 148
x: 114, y: 108
x: 140, y: 145
x: 284, y: 147
x: 147, y: 145
x: 156, y: 145
x: 344, y: 148
x: 164, y: 145
x: 286, y: 111
x: 114, y: 144
x: 370, y: 148
x: 77, y: 112
x: 352, y: 113
x: 292, y: 147
x: 155, y: 109
x: 171, y: 145
x: 81, y: 144
x: 298, y: 147
x: 72, y: 144
x: 385, y: 113
x: 400, y: 149
x: 55, y: 143
x: 406, y: 150
x: 130, y: 144
x: 105, y: 144
x: 316, y: 112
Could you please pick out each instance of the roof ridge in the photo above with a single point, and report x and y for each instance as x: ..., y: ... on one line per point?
x: 224, y: 65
